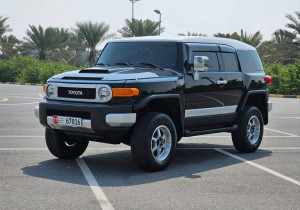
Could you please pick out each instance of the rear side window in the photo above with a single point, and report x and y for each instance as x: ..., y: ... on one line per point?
x: 256, y: 60
x: 213, y: 63
x: 230, y: 62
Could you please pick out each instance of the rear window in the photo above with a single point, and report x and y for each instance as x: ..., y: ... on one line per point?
x: 230, y: 62
x: 213, y: 63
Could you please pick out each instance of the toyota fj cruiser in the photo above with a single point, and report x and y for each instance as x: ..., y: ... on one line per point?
x: 149, y: 92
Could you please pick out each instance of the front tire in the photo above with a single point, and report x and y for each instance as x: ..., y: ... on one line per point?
x: 153, y: 141
x: 64, y: 147
x: 248, y: 136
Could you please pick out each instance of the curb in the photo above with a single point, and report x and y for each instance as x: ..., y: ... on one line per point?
x: 18, y: 83
x: 283, y: 96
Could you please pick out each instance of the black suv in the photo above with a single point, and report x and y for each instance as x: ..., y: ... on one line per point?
x: 149, y: 92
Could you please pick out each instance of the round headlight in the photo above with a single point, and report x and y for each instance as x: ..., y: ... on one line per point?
x: 50, y: 91
x: 105, y: 94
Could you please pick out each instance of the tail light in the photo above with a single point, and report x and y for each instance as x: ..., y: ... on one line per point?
x: 268, y: 79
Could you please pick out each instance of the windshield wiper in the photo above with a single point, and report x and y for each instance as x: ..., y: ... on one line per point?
x: 102, y: 64
x: 124, y: 63
x: 153, y: 65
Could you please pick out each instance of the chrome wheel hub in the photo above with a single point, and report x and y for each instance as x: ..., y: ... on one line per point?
x: 161, y: 143
x: 253, y: 130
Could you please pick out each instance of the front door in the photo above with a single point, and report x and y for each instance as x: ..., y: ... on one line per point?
x: 205, y: 103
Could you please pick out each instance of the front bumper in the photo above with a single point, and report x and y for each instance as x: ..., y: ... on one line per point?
x: 102, y: 120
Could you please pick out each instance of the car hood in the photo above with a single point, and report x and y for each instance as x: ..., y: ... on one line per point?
x: 115, y: 73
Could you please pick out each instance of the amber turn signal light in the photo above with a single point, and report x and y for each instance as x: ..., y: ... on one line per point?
x: 125, y: 92
x: 44, y: 88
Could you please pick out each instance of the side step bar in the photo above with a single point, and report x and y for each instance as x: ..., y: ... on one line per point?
x: 188, y: 133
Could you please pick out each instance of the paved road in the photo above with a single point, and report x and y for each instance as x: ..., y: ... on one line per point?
x: 206, y: 172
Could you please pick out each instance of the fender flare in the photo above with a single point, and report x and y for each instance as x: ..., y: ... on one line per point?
x: 146, y: 100
x: 251, y: 92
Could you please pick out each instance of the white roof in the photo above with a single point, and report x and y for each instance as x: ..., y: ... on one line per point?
x: 198, y: 39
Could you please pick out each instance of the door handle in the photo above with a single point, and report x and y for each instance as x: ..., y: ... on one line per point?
x: 222, y: 82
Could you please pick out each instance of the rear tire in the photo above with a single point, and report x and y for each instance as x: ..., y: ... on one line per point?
x: 248, y: 136
x: 64, y: 147
x: 153, y: 141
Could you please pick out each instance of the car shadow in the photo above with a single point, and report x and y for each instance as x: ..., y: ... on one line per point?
x: 118, y: 168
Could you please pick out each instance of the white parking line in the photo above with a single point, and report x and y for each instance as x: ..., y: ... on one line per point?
x: 289, y: 118
x: 45, y: 148
x: 260, y: 167
x: 22, y: 136
x: 19, y: 104
x: 101, y: 197
x: 22, y: 149
x: 22, y: 97
x: 281, y: 132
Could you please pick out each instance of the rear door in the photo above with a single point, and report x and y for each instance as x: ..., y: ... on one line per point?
x: 232, y: 90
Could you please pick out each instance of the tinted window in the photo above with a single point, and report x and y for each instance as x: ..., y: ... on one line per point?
x: 213, y: 64
x: 230, y: 62
x: 163, y: 54
x: 256, y: 60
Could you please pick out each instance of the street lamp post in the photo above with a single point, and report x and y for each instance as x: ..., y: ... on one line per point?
x: 158, y: 12
x: 132, y: 17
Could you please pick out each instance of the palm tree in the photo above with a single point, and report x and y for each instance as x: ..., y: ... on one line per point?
x: 60, y: 51
x: 267, y: 51
x: 3, y: 26
x: 93, y: 34
x: 288, y: 41
x: 77, y: 47
x: 222, y: 35
x: 191, y: 34
x: 295, y: 24
x: 283, y: 36
x: 250, y: 39
x: 140, y: 28
x: 41, y: 41
x: 8, y: 46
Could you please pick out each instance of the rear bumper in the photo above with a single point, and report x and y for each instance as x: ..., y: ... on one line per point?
x: 101, y: 120
x: 270, y: 106
x: 36, y: 112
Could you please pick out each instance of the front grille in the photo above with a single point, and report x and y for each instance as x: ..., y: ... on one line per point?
x: 83, y: 115
x: 81, y: 93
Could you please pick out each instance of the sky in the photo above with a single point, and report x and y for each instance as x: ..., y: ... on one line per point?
x: 178, y: 16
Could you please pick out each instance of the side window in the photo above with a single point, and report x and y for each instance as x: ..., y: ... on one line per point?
x: 256, y: 60
x: 230, y: 62
x: 213, y: 63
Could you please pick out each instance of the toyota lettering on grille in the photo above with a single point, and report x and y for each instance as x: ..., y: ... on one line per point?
x: 75, y: 92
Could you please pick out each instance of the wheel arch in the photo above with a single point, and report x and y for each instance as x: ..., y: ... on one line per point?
x: 169, y: 104
x: 258, y: 98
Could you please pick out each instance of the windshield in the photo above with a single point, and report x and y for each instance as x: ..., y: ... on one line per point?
x: 163, y: 54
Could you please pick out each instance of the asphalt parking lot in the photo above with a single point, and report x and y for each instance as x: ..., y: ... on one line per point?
x: 206, y: 172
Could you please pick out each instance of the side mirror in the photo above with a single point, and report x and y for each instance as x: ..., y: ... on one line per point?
x: 200, y: 65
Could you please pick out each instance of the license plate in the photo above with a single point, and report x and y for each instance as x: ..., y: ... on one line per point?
x: 68, y: 121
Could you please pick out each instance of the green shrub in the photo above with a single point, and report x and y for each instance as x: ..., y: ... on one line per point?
x: 286, y: 79
x: 23, y: 69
